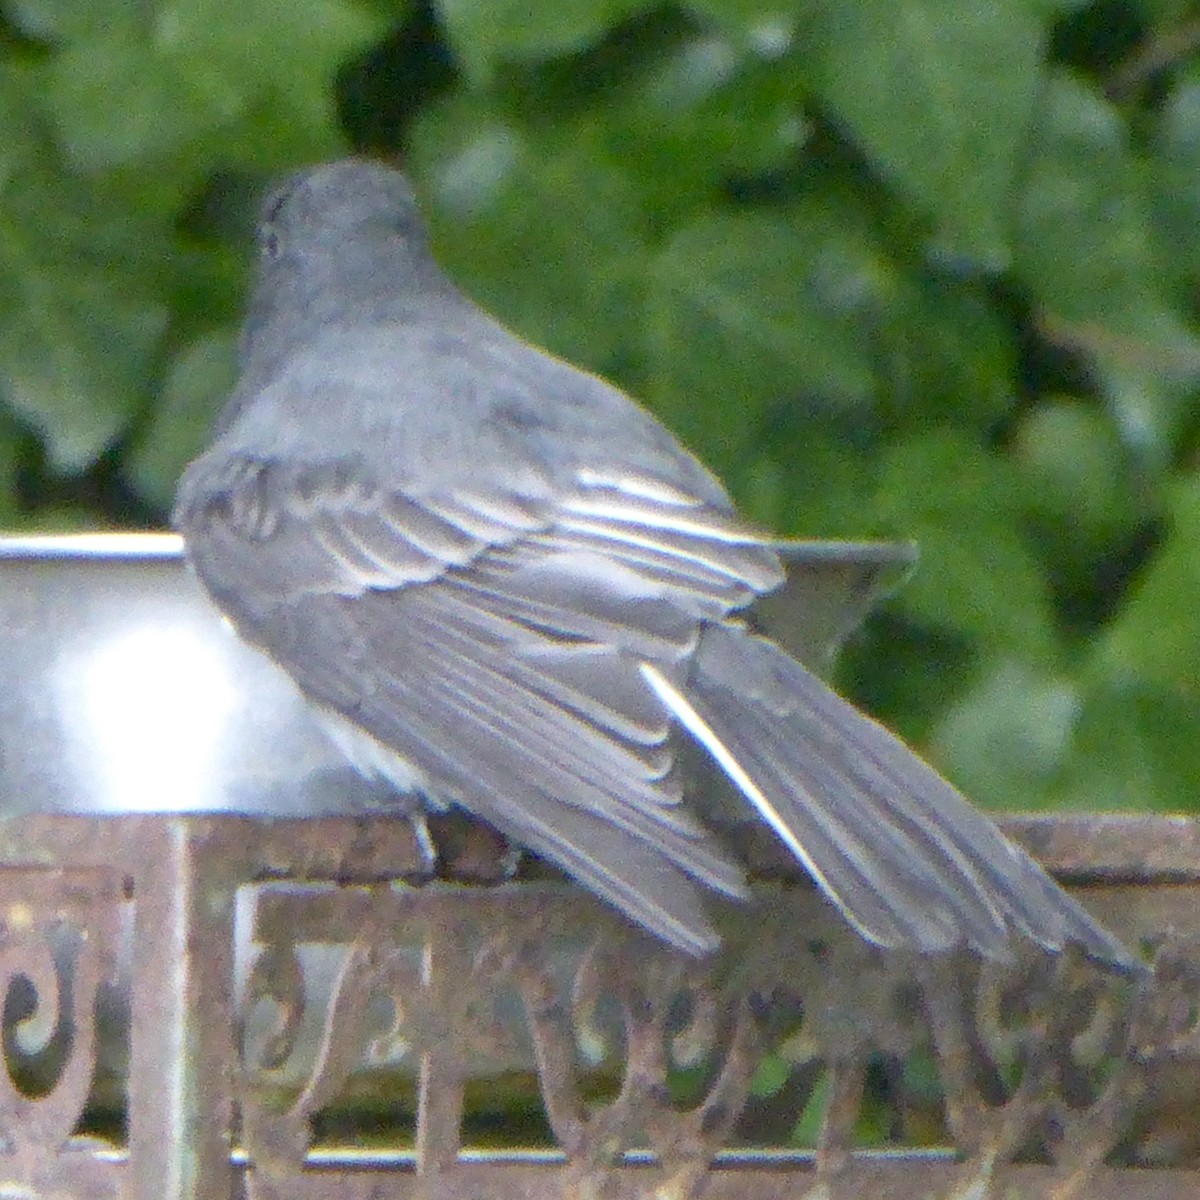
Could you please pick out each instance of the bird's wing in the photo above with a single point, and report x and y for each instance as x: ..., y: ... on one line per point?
x: 491, y: 639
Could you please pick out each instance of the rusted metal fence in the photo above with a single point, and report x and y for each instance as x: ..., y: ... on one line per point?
x: 657, y: 1076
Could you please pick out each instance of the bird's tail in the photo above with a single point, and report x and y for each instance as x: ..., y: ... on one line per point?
x: 899, y: 851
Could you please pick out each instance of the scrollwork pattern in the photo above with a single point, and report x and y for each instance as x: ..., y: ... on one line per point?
x: 58, y: 948
x: 1045, y: 1057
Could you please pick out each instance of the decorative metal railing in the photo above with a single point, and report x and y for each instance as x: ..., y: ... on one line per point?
x: 1045, y: 1076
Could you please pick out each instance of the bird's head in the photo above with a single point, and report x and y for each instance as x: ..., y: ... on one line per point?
x: 342, y: 242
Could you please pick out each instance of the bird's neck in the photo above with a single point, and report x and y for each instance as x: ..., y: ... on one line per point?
x: 295, y: 312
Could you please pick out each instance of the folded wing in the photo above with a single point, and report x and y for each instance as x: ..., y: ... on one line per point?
x: 488, y: 645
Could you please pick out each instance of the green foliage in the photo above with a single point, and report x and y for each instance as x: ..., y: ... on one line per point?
x: 919, y: 268
x: 939, y: 95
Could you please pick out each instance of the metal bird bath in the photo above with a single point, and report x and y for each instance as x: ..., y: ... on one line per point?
x: 123, y: 691
x: 189, y: 872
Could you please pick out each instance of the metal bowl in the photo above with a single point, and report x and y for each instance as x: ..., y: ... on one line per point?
x: 122, y: 690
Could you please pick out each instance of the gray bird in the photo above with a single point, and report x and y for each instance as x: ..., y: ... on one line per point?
x: 507, y: 587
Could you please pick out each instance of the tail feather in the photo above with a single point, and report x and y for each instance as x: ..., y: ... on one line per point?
x: 900, y: 852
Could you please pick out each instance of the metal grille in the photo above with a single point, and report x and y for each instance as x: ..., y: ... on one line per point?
x: 656, y: 1075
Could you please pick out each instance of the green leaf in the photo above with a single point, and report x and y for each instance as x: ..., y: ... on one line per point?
x: 1049, y: 10
x: 1082, y: 489
x: 197, y: 384
x: 287, y: 69
x: 703, y: 111
x: 802, y: 477
x: 81, y: 304
x: 484, y: 35
x: 539, y: 228
x: 807, y: 1130
x: 1087, y: 254
x: 68, y: 20
x: 977, y: 575
x: 1166, y: 13
x: 1156, y: 635
x: 1176, y: 182
x: 1005, y: 742
x: 748, y: 310
x: 772, y: 1072
x: 115, y: 102
x: 948, y: 356
x: 189, y: 78
x: 904, y: 75
x: 9, y: 460
x: 1083, y: 245
x: 1135, y: 747
x: 768, y: 27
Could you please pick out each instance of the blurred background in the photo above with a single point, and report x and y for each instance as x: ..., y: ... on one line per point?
x: 906, y: 268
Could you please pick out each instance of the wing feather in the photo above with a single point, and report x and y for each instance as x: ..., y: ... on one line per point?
x: 492, y: 638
